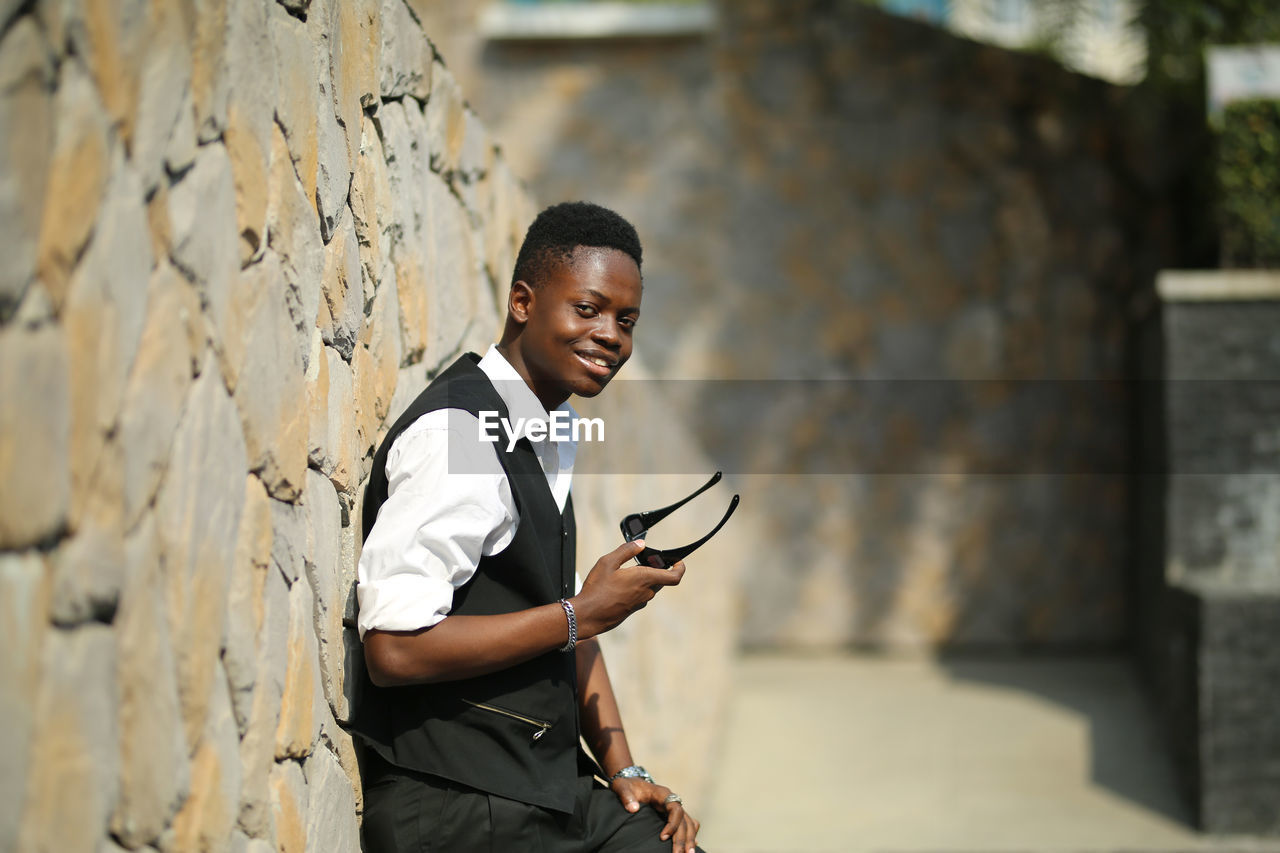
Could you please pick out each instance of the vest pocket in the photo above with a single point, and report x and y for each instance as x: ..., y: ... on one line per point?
x: 540, y: 726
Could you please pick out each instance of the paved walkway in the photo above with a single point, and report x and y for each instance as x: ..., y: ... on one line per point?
x: 855, y: 754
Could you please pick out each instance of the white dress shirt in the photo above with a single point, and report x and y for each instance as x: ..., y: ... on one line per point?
x: 448, y: 504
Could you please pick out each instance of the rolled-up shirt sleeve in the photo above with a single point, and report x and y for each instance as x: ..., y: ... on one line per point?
x: 442, y: 514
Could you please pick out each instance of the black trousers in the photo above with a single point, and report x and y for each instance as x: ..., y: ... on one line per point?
x: 408, y: 812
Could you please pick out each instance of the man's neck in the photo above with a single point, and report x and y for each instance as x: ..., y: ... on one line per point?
x: 549, y: 400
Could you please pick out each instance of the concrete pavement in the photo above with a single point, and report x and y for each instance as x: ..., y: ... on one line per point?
x: 840, y: 754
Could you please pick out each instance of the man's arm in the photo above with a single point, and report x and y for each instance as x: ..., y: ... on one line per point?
x: 461, y: 646
x: 603, y: 732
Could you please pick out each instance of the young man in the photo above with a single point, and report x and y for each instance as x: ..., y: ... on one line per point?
x: 482, y: 664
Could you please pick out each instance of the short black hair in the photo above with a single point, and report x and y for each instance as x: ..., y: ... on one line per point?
x: 563, y: 227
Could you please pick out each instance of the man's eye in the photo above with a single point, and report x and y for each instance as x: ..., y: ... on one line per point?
x: 627, y: 322
x: 586, y: 310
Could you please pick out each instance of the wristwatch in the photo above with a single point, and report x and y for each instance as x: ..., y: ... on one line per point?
x: 635, y: 771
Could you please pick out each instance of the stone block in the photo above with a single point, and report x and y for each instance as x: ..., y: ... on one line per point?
x: 331, y: 805
x: 73, y: 782
x: 446, y: 115
x: 23, y: 602
x: 104, y: 316
x: 88, y: 570
x: 303, y: 702
x: 202, y: 225
x: 165, y: 84
x: 294, y: 234
x: 251, y: 66
x: 454, y: 282
x: 35, y: 434
x: 210, y: 81
x: 207, y: 817
x: 289, y: 807
x: 198, y: 512
x: 81, y: 160
x: 324, y: 516
x: 270, y: 385
x: 354, y: 64
x: 407, y: 57
x: 289, y: 539
x: 317, y: 382
x: 343, y: 747
x: 381, y: 335
x: 364, y: 374
x: 343, y: 290
x: 258, y: 743
x: 406, y: 176
x: 154, y: 768
x: 158, y: 384
x: 298, y: 97
x: 339, y: 459
x: 371, y: 208
x: 246, y: 599
x: 335, y: 150
x: 353, y: 668
x: 112, y: 45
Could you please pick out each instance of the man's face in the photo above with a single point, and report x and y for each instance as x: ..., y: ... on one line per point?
x: 579, y: 324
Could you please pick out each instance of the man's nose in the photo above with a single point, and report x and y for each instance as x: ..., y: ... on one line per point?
x: 606, y: 332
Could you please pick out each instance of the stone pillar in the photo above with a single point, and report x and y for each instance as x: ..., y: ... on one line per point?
x: 1221, y: 679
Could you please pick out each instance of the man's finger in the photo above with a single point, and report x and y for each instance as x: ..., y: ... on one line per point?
x: 675, y: 817
x: 662, y: 577
x: 625, y: 551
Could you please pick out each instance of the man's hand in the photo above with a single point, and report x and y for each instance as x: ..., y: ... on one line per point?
x: 611, y: 593
x: 681, y: 828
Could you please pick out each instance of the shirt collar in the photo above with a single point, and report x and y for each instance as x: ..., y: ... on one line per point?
x: 514, y: 391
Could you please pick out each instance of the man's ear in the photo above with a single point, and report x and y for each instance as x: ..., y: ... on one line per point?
x: 520, y: 301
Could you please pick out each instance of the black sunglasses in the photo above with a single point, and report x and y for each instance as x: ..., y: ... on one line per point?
x: 636, y: 526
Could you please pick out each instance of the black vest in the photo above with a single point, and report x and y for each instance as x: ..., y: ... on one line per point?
x: 513, y: 733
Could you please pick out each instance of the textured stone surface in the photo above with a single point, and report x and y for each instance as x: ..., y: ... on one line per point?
x: 77, y: 176
x: 23, y: 594
x: 88, y: 570
x: 199, y: 299
x: 371, y: 207
x: 303, y: 703
x: 73, y: 782
x: 446, y: 115
x: 339, y: 459
x: 157, y: 385
x: 298, y: 104
x: 289, y: 807
x: 210, y: 81
x: 208, y: 815
x: 454, y: 284
x: 246, y: 600
x: 331, y: 805
x: 269, y: 385
x: 406, y: 177
x: 104, y: 316
x: 343, y: 309
x: 202, y: 217
x: 324, y: 525
x: 35, y: 433
x: 289, y: 539
x: 334, y: 150
x: 295, y: 236
x: 165, y: 84
x: 258, y: 743
x: 198, y: 513
x: 407, y: 57
x: 154, y: 769
x: 252, y: 69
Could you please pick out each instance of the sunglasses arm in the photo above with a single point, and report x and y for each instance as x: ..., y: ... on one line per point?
x: 671, y: 556
x: 654, y: 516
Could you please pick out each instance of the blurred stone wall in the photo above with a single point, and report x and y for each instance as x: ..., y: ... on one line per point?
x: 915, y: 257
x: 239, y: 238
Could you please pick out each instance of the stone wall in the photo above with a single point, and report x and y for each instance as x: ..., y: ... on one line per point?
x: 240, y: 236
x: 840, y: 204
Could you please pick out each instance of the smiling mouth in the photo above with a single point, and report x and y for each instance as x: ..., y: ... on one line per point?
x: 596, y: 364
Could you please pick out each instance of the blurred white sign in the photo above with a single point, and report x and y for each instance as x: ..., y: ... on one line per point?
x: 1237, y: 73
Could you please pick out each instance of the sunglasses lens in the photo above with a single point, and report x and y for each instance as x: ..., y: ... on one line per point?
x: 635, y: 528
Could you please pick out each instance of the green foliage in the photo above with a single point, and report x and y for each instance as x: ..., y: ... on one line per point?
x: 1249, y: 177
x: 1179, y: 30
